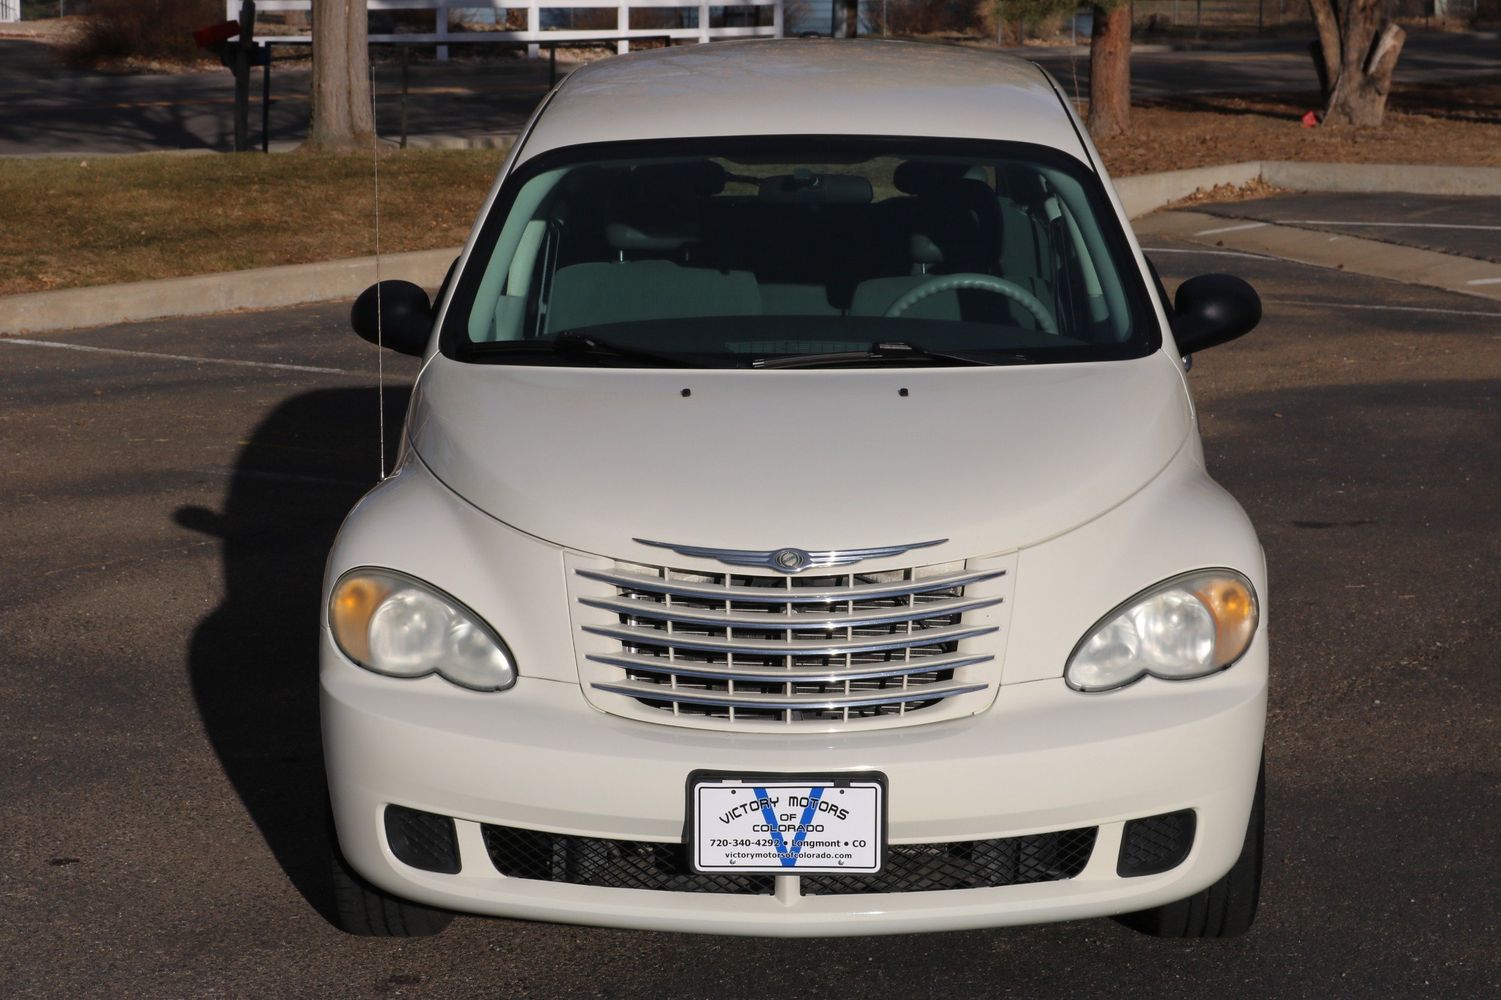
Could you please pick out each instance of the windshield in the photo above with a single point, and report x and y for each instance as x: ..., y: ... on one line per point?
x: 800, y: 252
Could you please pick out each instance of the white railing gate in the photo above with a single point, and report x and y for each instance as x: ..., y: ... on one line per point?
x: 535, y: 35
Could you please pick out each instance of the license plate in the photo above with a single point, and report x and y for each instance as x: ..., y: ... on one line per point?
x: 786, y: 824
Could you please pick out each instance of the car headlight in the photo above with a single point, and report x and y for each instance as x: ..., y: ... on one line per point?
x: 401, y: 627
x: 1189, y: 626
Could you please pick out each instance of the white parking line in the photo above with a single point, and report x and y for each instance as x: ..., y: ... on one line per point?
x: 1216, y: 253
x: 311, y: 369
x: 1232, y: 229
x: 1365, y: 305
x: 1383, y: 225
x: 1484, y: 281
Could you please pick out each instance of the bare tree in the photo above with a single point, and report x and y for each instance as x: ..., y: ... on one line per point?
x: 1355, y: 56
x: 342, y: 117
x: 1110, y: 69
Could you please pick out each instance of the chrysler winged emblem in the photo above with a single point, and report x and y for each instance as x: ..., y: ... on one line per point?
x: 791, y: 560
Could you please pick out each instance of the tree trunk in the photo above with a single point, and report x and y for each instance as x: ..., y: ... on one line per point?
x: 343, y: 120
x: 1110, y: 71
x: 1354, y: 60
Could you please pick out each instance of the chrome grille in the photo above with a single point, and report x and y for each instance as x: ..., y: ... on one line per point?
x: 824, y: 650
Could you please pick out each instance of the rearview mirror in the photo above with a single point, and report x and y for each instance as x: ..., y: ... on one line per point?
x: 1212, y: 309
x: 394, y: 314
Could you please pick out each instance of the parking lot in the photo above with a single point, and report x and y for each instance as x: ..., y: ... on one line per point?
x: 170, y: 491
x: 1467, y: 226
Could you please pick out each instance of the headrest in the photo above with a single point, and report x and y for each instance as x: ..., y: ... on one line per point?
x: 924, y: 177
x: 804, y: 187
x: 625, y: 236
x: 1022, y: 183
x: 945, y: 231
x: 673, y: 181
x: 927, y: 178
x: 656, y: 205
x: 923, y: 250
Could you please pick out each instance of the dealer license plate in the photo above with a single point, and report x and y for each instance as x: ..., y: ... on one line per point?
x: 786, y: 825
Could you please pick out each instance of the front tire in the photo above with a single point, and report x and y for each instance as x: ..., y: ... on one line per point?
x: 360, y: 908
x: 1225, y: 909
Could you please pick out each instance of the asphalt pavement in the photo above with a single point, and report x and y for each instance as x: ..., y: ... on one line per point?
x: 170, y: 490
x: 51, y: 110
x: 1467, y: 226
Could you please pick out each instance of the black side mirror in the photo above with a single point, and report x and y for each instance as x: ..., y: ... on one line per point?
x: 1212, y: 309
x: 394, y: 314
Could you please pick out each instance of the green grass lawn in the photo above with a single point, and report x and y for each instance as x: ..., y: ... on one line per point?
x: 66, y: 223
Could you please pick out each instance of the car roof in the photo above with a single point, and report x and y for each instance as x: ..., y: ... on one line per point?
x: 806, y: 87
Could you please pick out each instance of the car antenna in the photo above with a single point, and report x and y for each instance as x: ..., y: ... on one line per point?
x: 380, y: 347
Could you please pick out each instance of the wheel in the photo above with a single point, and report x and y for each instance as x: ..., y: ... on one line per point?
x: 979, y: 283
x: 360, y: 908
x: 1225, y: 909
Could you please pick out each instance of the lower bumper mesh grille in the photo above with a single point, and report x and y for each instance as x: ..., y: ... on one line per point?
x: 973, y: 864
x: 629, y: 864
x: 1156, y: 844
x: 609, y: 864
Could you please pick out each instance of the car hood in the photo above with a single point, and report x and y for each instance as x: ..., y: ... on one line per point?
x: 991, y: 458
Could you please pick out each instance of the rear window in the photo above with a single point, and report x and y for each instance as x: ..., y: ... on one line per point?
x: 800, y: 252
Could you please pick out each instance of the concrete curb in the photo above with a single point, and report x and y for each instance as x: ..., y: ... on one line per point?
x: 1406, y: 179
x: 298, y: 284
x: 263, y: 288
x: 1145, y: 193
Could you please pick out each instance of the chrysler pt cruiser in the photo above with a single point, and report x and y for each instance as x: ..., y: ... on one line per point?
x: 800, y: 527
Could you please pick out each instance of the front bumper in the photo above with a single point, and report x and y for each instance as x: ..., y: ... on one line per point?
x: 1042, y: 759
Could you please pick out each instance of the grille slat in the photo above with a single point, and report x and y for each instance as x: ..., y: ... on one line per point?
x: 721, y: 592
x: 731, y: 700
x: 741, y: 649
x: 635, y: 607
x: 802, y: 675
x: 637, y: 636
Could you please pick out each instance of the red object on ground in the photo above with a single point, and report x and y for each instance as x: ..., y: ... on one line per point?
x: 216, y: 33
x: 1311, y: 119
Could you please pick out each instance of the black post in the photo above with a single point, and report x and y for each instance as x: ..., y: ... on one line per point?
x: 242, y: 98
x: 241, y: 69
x: 405, y: 77
x: 266, y: 99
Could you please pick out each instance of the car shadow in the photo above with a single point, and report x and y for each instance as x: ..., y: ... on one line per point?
x: 252, y: 661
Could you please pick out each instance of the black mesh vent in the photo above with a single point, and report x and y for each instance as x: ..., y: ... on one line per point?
x: 612, y: 864
x: 974, y: 864
x: 422, y: 839
x: 626, y: 864
x: 1156, y: 844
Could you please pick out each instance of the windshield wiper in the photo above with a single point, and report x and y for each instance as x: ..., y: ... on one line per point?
x: 880, y: 351
x: 582, y: 346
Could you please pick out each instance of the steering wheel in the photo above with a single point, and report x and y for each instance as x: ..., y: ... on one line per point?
x: 980, y: 283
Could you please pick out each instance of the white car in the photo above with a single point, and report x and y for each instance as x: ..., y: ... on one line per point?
x: 801, y: 528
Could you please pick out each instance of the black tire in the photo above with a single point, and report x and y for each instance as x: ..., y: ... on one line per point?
x: 1225, y: 909
x: 360, y: 908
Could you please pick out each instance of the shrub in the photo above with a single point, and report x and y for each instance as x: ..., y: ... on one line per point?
x: 155, y: 30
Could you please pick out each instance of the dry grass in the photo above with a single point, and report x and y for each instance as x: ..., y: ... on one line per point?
x: 1455, y: 125
x: 73, y: 222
